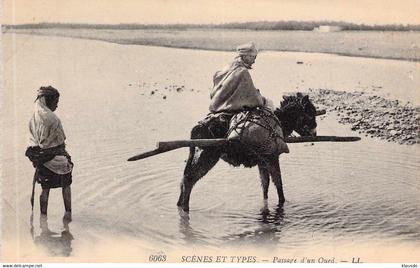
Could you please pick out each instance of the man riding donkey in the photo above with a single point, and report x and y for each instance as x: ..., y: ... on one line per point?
x: 242, y: 115
x: 53, y: 166
x: 234, y: 92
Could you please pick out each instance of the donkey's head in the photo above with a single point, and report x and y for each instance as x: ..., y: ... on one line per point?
x: 297, y: 113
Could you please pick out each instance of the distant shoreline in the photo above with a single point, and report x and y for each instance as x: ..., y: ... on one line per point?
x: 250, y: 25
x: 368, y: 44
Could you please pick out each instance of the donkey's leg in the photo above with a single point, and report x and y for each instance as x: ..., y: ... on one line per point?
x: 274, y: 170
x: 265, y: 179
x: 201, y: 162
x: 198, y: 132
x: 187, y: 167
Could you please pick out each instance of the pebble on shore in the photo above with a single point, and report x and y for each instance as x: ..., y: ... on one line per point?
x: 167, y: 88
x: 371, y: 114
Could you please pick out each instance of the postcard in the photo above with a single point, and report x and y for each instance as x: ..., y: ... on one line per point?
x: 256, y: 132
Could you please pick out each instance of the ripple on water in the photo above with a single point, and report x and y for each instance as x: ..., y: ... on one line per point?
x: 332, y: 195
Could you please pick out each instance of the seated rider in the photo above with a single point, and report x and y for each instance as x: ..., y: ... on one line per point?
x: 233, y: 91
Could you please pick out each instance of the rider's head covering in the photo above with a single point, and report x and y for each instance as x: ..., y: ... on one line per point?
x: 247, y: 49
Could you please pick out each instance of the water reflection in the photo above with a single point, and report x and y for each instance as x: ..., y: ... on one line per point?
x: 57, y: 244
x: 190, y: 236
x: 267, y: 232
x: 275, y: 217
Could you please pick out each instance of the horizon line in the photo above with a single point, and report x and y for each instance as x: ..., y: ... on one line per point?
x: 213, y: 24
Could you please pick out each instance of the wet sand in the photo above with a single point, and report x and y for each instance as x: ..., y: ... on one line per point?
x: 356, y: 196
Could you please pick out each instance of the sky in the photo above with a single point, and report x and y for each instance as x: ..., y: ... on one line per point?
x: 208, y: 11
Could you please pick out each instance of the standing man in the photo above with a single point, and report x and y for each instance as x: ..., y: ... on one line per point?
x: 53, y: 166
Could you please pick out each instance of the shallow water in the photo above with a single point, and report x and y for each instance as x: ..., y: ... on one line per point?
x: 338, y: 194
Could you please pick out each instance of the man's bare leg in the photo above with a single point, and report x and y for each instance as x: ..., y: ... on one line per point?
x: 67, y: 202
x: 43, y: 201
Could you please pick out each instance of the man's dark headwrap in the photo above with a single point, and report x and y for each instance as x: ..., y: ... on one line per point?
x: 48, y: 92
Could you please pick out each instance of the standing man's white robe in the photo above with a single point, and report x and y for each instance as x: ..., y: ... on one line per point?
x: 46, y: 132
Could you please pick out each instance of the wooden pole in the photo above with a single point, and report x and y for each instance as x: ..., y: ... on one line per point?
x: 166, y: 146
x: 171, y: 145
x: 320, y: 138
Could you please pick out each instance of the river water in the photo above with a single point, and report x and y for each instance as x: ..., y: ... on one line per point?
x: 362, y: 196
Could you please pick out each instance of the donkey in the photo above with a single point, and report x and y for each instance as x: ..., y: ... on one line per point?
x: 296, y: 113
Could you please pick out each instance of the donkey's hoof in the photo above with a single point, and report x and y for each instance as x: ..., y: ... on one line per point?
x: 281, y: 201
x: 184, y: 208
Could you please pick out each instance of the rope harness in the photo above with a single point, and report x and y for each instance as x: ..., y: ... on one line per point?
x: 244, y: 128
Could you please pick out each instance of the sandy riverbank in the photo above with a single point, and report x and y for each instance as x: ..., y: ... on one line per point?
x: 371, y: 44
x: 372, y: 115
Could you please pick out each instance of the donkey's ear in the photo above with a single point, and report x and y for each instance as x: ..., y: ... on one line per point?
x: 305, y: 99
x: 285, y: 97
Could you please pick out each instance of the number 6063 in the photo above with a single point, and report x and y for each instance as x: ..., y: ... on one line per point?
x: 157, y: 258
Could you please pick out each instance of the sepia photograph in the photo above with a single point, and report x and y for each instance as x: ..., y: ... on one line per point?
x: 180, y: 131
